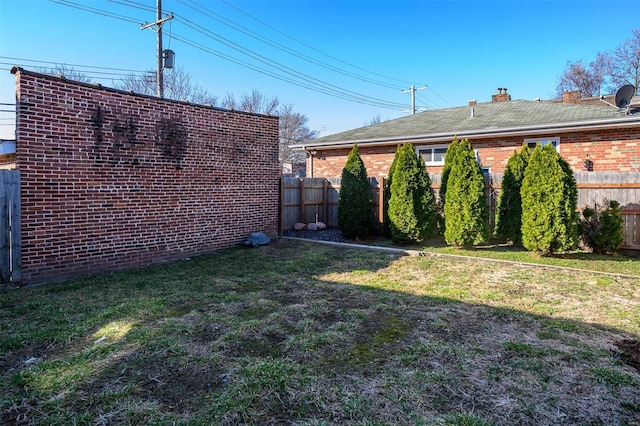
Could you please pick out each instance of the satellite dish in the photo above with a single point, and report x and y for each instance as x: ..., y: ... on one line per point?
x: 624, y: 95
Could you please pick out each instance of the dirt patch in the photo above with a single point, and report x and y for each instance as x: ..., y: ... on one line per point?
x: 629, y: 352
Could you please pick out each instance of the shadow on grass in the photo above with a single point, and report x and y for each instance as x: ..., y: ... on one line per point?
x: 298, y: 333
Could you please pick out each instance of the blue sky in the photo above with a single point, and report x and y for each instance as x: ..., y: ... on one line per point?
x: 461, y: 50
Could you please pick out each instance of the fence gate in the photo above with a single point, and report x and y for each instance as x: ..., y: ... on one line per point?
x: 10, y: 258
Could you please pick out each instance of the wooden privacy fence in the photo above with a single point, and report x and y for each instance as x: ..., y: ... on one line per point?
x: 309, y: 200
x: 316, y: 199
x: 10, y: 258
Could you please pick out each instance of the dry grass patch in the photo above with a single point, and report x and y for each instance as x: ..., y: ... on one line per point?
x: 296, y: 333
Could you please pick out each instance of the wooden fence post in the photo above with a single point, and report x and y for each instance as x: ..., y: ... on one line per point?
x: 302, y: 204
x: 325, y: 202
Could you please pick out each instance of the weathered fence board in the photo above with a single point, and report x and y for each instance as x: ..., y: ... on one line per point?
x: 593, y: 188
x: 10, y: 259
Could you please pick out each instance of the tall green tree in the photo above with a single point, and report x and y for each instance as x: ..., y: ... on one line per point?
x: 449, y: 157
x: 465, y: 211
x: 386, y: 229
x: 549, y: 199
x: 355, y: 217
x: 509, y: 212
x: 412, y: 206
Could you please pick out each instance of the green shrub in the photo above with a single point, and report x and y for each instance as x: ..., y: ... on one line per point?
x: 444, y: 177
x: 412, y: 204
x: 509, y: 211
x: 549, y: 198
x: 465, y: 209
x: 355, y: 217
x: 602, y: 228
x: 386, y: 229
x: 452, y: 149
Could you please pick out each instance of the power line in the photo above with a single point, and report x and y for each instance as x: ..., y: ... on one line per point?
x: 311, y: 47
x: 336, y: 92
x: 229, y: 23
x: 70, y: 65
x: 272, y: 74
x: 445, y: 101
x: 134, y: 4
x: 274, y: 64
x: 79, y: 71
x: 318, y: 85
x: 284, y: 68
x: 97, y: 11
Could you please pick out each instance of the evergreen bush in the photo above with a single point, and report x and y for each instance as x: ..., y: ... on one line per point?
x: 549, y: 198
x: 465, y: 209
x: 444, y: 177
x: 602, y: 228
x: 355, y: 217
x: 452, y: 149
x: 412, y: 204
x: 509, y: 211
x: 386, y: 229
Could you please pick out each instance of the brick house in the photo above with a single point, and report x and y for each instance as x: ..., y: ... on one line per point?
x: 591, y: 134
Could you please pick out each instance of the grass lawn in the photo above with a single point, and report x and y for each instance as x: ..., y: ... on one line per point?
x: 297, y: 333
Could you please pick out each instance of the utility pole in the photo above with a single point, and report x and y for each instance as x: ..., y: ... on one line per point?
x: 158, y: 24
x: 413, y: 90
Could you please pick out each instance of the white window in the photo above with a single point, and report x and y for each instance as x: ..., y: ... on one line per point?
x: 432, y: 155
x: 531, y: 143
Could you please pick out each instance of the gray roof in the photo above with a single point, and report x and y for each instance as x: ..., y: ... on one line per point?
x: 482, y: 119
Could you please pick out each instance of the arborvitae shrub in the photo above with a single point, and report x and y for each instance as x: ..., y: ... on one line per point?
x: 549, y: 198
x: 355, y: 218
x: 386, y: 229
x: 509, y: 211
x: 444, y: 177
x: 452, y: 149
x: 602, y: 228
x: 412, y: 203
x: 465, y: 210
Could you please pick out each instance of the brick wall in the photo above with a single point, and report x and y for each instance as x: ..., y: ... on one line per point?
x: 616, y: 150
x: 112, y: 180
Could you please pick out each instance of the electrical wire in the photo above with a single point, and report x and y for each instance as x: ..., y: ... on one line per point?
x: 227, y: 22
x: 134, y: 4
x: 70, y: 65
x: 283, y: 68
x: 311, y: 47
x: 317, y: 88
x: 290, y: 75
x: 96, y: 11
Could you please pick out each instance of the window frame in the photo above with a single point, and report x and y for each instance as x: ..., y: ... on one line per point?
x: 555, y: 141
x: 432, y: 148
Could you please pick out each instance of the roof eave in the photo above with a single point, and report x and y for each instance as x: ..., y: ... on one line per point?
x: 477, y: 133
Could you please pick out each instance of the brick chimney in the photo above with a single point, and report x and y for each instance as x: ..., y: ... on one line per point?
x: 572, y: 97
x: 473, y: 102
x: 501, y: 96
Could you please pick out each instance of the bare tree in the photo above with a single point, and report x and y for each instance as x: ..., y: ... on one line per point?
x: 66, y: 71
x: 293, y: 125
x: 588, y: 79
x: 624, y: 64
x: 177, y: 85
x: 374, y: 120
x: 293, y: 130
x: 252, y: 102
